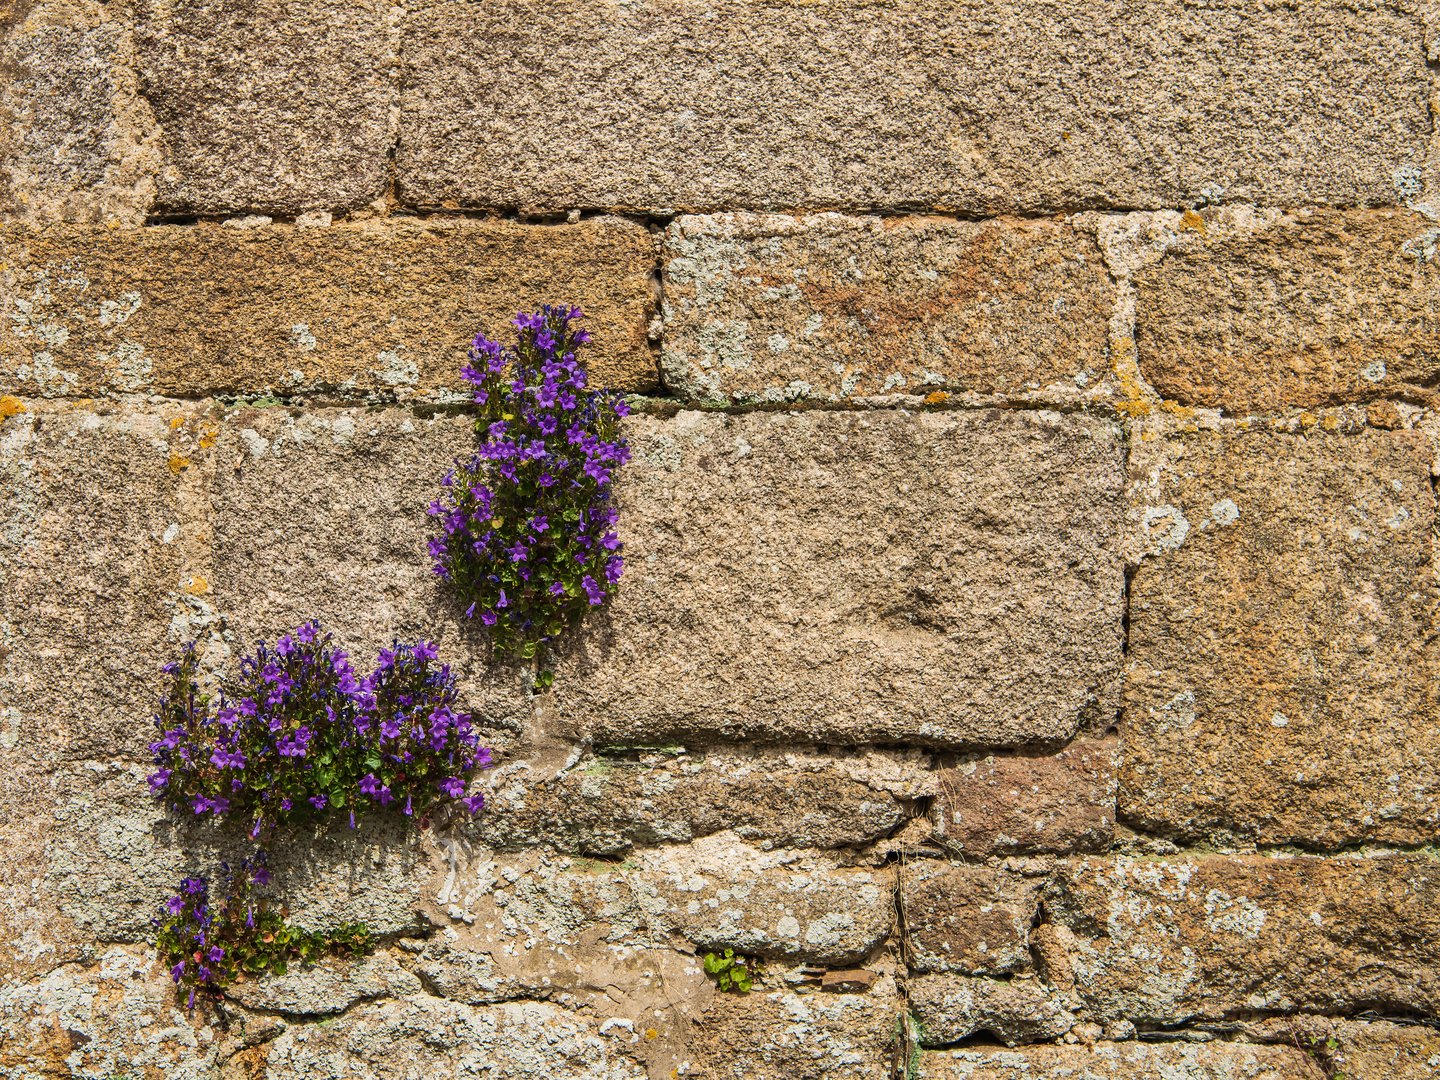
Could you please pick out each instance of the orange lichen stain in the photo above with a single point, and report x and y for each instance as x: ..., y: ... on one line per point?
x: 1330, y: 423
x: 196, y: 586
x: 208, y: 437
x: 176, y: 422
x: 651, y: 1033
x: 936, y: 397
x: 1191, y: 221
x: 1148, y: 436
x: 1308, y: 420
x: 10, y: 406
x: 1174, y: 408
x: 177, y: 463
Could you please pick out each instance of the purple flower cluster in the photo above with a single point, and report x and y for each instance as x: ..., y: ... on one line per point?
x: 526, y: 527
x: 200, y: 938
x: 298, y: 735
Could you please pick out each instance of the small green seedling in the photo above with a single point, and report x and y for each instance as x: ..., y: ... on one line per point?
x: 733, y: 974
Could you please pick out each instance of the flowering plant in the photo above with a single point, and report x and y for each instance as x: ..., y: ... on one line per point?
x: 211, y: 942
x: 298, y: 736
x: 526, y: 527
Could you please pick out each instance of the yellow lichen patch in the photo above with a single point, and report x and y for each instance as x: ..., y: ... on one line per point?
x: 1330, y: 422
x: 651, y: 1033
x: 196, y: 585
x: 10, y: 406
x: 936, y: 397
x: 1134, y: 408
x: 208, y: 437
x: 1174, y: 408
x: 1191, y: 221
x: 176, y: 422
x: 178, y: 463
x: 1308, y: 420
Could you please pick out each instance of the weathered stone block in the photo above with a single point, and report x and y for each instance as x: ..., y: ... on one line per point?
x: 1255, y: 311
x: 100, y: 514
x: 714, y: 893
x: 1282, y: 681
x: 766, y: 307
x: 800, y: 1036
x: 1384, y: 1051
x: 113, y: 1016
x: 948, y: 1008
x: 373, y: 309
x: 970, y: 920
x: 979, y: 107
x: 76, y: 139
x: 1121, y: 1061
x: 773, y: 798
x: 322, y: 515
x: 269, y: 105
x: 1007, y: 804
x: 1166, y: 941
x: 424, y: 1036
x: 944, y: 579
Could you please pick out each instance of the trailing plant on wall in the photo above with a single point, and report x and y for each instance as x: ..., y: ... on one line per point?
x: 297, y: 737
x: 526, y: 527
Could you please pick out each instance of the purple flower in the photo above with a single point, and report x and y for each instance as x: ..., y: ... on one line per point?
x: 175, y: 905
x: 369, y: 783
x: 216, y: 954
x: 452, y: 786
x: 426, y: 650
x: 317, y: 801
x: 157, y: 780
x: 474, y: 803
x: 592, y: 590
x: 178, y: 972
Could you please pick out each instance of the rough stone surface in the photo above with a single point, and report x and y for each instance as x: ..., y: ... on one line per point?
x: 1123, y: 1061
x: 763, y: 555
x: 608, y: 805
x: 1007, y: 804
x: 981, y: 107
x: 1255, y: 311
x: 799, y: 1036
x: 115, y: 1016
x: 77, y: 142
x: 950, y: 1008
x: 766, y: 307
x: 113, y: 855
x: 1281, y: 681
x: 269, y: 105
x: 322, y: 515
x: 327, y: 987
x: 971, y: 920
x: 421, y: 1036
x: 1166, y: 941
x: 711, y: 894
x: 1382, y: 1051
x: 99, y: 524
x: 365, y: 310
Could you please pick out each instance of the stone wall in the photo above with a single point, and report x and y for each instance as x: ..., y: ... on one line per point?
x: 1029, y: 643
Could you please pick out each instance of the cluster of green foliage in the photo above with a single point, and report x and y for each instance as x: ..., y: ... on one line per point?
x: 733, y: 974
x: 212, y: 942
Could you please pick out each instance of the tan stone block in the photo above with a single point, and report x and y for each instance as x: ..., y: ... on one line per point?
x: 608, y: 805
x: 1168, y: 941
x: 762, y: 307
x: 321, y: 514
x: 974, y: 106
x: 77, y: 141
x: 970, y: 920
x: 425, y: 1036
x: 1260, y: 311
x: 709, y: 895
x: 1122, y: 1061
x: 1006, y: 804
x: 949, y: 1008
x: 1385, y: 1051
x: 269, y: 105
x: 800, y: 1036
x: 944, y: 579
x: 372, y: 309
x: 101, y: 519
x: 1281, y: 677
